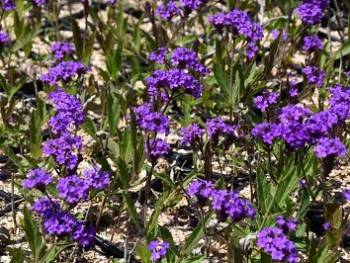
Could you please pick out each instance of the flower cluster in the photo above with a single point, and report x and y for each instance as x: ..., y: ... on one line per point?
x: 62, y: 49
x: 265, y: 100
x: 311, y: 11
x: 287, y: 225
x: 38, y: 179
x: 70, y: 115
x: 218, y: 126
x: 172, y: 8
x: 312, y: 43
x: 65, y: 71
x: 186, y: 58
x: 346, y: 195
x: 174, y: 80
x: 39, y: 2
x: 298, y: 126
x: 61, y: 224
x: 8, y: 5
x: 72, y: 189
x: 4, y: 39
x: 149, y: 120
x: 314, y: 75
x: 239, y: 23
x: 159, y: 55
x: 190, y: 134
x: 157, y: 147
x: 225, y: 203
x: 158, y: 250
x: 96, y: 178
x: 274, y: 242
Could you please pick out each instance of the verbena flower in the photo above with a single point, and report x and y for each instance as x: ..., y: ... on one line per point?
x: 84, y: 235
x: 4, y: 38
x: 267, y: 132
x: 159, y: 55
x: 39, y: 2
x: 314, y: 75
x: 326, y: 226
x: 217, y: 126
x: 158, y: 250
x: 61, y: 50
x: 96, y: 178
x: 312, y: 43
x: 275, y: 34
x: 287, y: 225
x: 8, y: 5
x: 321, y: 123
x: 311, y: 11
x: 167, y: 10
x: 330, y: 146
x: 72, y: 189
x: 239, y: 23
x: 64, y: 150
x: 274, y: 242
x: 176, y: 80
x: 346, y: 195
x: 59, y: 223
x: 186, y: 58
x: 157, y: 147
x: 265, y: 100
x: 45, y: 207
x: 191, y: 134
x: 65, y: 71
x: 199, y: 188
x: 38, y: 179
x: 149, y: 120
x: 228, y: 204
x: 193, y: 4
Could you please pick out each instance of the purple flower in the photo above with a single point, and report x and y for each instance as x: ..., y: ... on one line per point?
x: 186, y: 58
x: 314, y: 75
x: 8, y: 5
x: 340, y: 102
x: 191, y: 134
x: 175, y: 80
x: 293, y: 92
x: 293, y: 113
x: 4, y: 38
x: 251, y: 50
x: 320, y: 124
x: 167, y: 10
x: 201, y: 189
x: 193, y: 4
x: 149, y: 120
x: 64, y: 71
x: 346, y: 195
x: 157, y: 147
x: 59, y: 223
x: 158, y: 250
x: 38, y: 179
x: 159, y: 55
x: 312, y: 43
x: 311, y: 12
x: 84, y: 235
x: 64, y: 150
x: 326, y: 226
x: 228, y: 204
x: 265, y: 100
x: 330, y: 146
x: 218, y: 126
x: 267, y: 132
x: 39, y: 2
x: 45, y: 207
x: 72, y: 189
x: 275, y: 34
x: 274, y: 242
x: 62, y: 49
x: 287, y: 225
x: 96, y: 178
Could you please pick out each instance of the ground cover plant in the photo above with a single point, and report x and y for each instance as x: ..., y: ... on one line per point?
x: 174, y: 131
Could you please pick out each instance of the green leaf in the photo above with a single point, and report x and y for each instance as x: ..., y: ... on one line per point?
x: 196, y: 235
x: 130, y: 204
x: 153, y: 221
x: 17, y: 254
x: 78, y: 41
x: 263, y: 191
x: 13, y: 157
x: 89, y: 48
x: 167, y: 236
x: 222, y: 78
x: 90, y: 127
x: 144, y: 253
x: 343, y: 50
x: 196, y: 259
x: 33, y: 235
